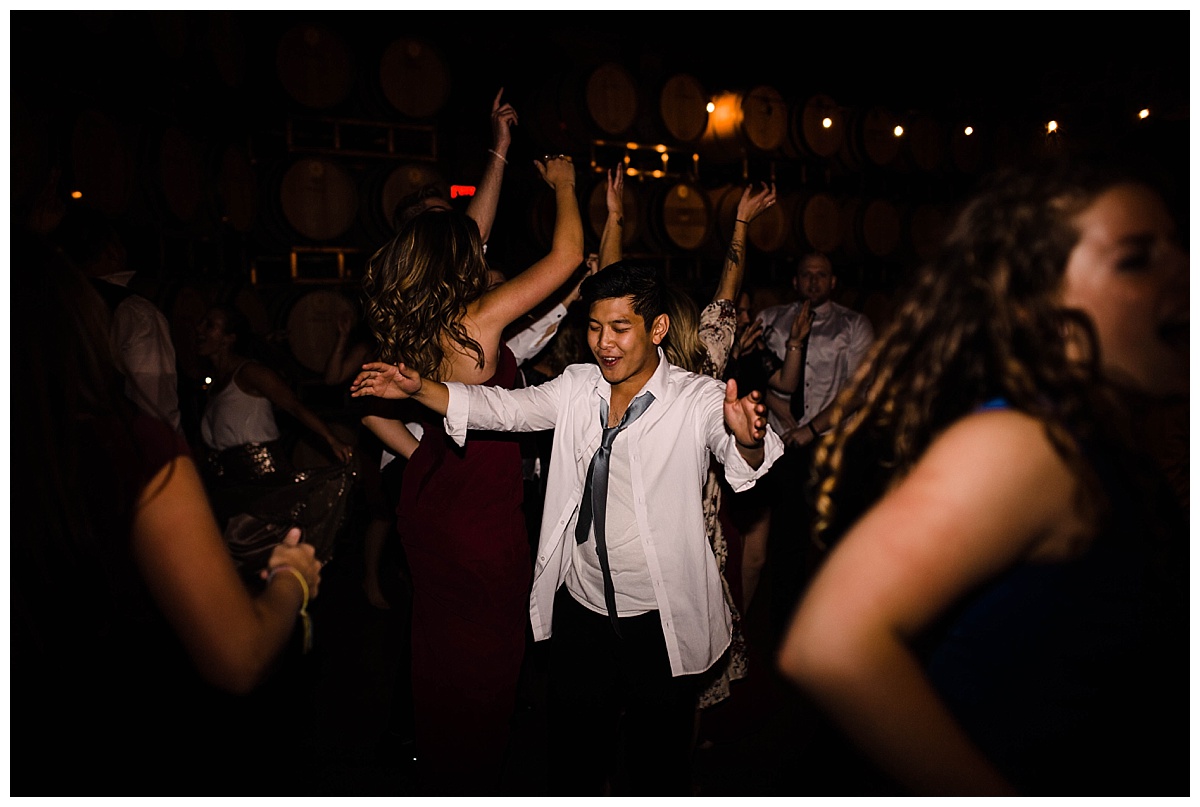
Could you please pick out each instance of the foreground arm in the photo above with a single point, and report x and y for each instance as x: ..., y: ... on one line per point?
x: 987, y: 494
x: 231, y: 636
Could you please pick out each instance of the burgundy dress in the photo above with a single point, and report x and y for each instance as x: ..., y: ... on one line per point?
x: 461, y: 521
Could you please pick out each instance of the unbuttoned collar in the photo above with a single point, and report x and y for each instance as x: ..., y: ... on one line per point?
x: 657, y: 383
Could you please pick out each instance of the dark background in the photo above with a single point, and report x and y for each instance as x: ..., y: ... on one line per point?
x: 213, y: 75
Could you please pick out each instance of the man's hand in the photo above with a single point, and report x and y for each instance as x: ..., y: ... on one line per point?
x: 745, y: 417
x: 381, y: 380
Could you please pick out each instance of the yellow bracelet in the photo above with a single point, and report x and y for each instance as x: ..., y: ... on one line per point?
x: 304, y: 618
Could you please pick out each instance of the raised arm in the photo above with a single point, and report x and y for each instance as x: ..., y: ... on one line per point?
x: 787, y: 377
x: 513, y: 298
x: 749, y: 207
x: 231, y: 636
x: 482, y: 207
x: 264, y: 381
x: 614, y: 224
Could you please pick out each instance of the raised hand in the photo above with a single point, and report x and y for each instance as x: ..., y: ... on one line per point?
x: 748, y: 338
x: 503, y: 118
x: 614, y: 196
x: 381, y: 380
x: 751, y: 205
x: 556, y: 169
x: 801, y: 325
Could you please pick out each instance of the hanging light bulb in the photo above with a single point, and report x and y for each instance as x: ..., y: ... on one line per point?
x: 1143, y: 114
x: 969, y: 130
x: 1052, y: 127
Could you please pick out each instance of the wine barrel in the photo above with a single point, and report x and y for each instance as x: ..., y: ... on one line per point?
x: 311, y: 325
x: 102, y: 166
x: 870, y: 226
x: 871, y: 141
x: 816, y: 128
x: 414, y: 78
x: 815, y: 222
x: 767, y: 233
x: 967, y: 150
x: 597, y: 211
x: 926, y: 226
x: 673, y: 112
x: 314, y: 66
x: 583, y: 106
x: 927, y: 143
x: 318, y: 199
x: 383, y: 187
x: 234, y: 185
x: 744, y: 124
x: 174, y: 182
x: 678, y: 216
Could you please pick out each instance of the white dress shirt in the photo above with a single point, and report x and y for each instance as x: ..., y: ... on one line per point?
x: 141, y: 341
x: 669, y: 447
x: 837, y: 344
x: 527, y: 343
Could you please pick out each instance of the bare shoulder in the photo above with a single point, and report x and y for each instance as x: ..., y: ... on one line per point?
x: 1002, y: 463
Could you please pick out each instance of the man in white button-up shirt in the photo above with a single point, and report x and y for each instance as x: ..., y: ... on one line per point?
x: 837, y: 342
x: 670, y: 610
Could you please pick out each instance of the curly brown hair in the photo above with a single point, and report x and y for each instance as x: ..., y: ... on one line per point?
x: 980, y: 322
x: 417, y: 288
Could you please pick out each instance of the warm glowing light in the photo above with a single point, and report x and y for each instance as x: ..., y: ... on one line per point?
x: 76, y: 194
x: 710, y: 106
x: 661, y: 150
x: 631, y: 172
x: 968, y: 131
x: 631, y: 146
x: 657, y: 174
x: 461, y: 190
x: 626, y: 159
x: 1145, y: 113
x: 827, y: 123
x: 898, y: 131
x: 1052, y: 126
x: 207, y: 379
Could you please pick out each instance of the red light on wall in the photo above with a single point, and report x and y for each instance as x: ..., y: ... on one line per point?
x: 461, y: 190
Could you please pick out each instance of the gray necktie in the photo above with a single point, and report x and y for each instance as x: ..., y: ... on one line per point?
x: 595, y: 494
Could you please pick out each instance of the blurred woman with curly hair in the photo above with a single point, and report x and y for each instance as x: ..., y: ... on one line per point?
x: 460, y: 517
x: 1005, y: 605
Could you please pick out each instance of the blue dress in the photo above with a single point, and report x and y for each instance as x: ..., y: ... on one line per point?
x: 1072, y: 677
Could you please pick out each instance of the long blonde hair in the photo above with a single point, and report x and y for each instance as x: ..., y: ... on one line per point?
x: 682, y: 344
x: 417, y: 289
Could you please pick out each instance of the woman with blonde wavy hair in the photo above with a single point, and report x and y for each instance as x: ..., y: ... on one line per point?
x: 1005, y: 605
x: 460, y: 514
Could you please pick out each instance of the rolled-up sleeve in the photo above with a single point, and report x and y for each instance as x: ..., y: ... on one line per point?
x: 740, y: 475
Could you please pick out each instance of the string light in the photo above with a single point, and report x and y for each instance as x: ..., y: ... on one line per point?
x: 969, y: 130
x: 827, y: 123
x: 1052, y: 127
x: 898, y: 131
x: 1144, y: 113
